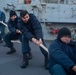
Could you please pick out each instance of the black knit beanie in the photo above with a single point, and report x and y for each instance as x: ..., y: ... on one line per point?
x: 12, y: 13
x: 64, y: 32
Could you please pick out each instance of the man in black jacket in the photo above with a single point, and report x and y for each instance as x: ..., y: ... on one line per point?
x: 31, y: 30
x: 14, y: 33
x: 62, y: 54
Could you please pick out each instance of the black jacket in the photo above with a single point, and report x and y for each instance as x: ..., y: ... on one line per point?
x: 13, y: 25
x: 31, y: 29
x: 63, y: 54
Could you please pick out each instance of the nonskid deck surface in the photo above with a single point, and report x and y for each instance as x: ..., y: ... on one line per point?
x: 10, y: 64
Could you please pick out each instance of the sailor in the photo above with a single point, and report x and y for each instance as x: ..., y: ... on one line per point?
x: 32, y: 31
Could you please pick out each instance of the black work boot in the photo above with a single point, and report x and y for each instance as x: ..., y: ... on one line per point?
x: 25, y: 61
x: 12, y: 50
x: 46, y: 63
x: 29, y: 55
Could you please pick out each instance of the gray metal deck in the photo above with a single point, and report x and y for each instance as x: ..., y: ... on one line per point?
x: 10, y: 64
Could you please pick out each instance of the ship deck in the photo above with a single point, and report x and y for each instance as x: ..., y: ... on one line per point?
x: 10, y: 64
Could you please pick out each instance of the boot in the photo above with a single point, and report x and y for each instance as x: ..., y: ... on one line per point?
x: 29, y: 55
x: 46, y: 63
x: 12, y: 50
x: 25, y: 61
